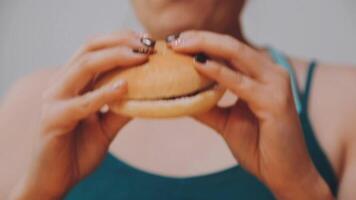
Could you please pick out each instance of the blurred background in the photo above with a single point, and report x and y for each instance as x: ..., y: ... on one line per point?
x: 36, y: 34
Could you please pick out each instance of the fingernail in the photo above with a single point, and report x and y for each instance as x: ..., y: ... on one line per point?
x: 171, y: 38
x: 176, y: 42
x: 148, y: 42
x: 143, y: 50
x: 143, y: 35
x: 104, y: 109
x: 117, y: 85
x: 136, y: 50
x: 201, y: 58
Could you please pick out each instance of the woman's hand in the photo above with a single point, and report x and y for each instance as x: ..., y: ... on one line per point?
x: 262, y: 129
x: 73, y: 136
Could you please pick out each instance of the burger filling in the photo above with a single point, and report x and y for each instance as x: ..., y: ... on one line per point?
x: 209, y: 87
x: 191, y: 94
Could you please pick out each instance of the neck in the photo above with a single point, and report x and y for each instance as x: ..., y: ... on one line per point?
x: 233, y: 25
x: 236, y: 31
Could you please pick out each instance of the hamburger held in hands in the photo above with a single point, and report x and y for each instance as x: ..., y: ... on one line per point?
x: 167, y: 85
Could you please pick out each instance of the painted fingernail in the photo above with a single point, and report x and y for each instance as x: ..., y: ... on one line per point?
x: 117, y: 85
x: 148, y: 42
x: 201, y: 58
x: 176, y: 42
x: 143, y: 35
x: 144, y: 50
x: 172, y: 38
x: 136, y: 50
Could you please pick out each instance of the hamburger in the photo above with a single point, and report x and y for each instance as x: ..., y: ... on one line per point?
x: 166, y: 86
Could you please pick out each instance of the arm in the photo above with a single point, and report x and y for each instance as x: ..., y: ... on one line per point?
x: 348, y: 180
x: 20, y: 105
x: 348, y: 172
x: 69, y: 121
x: 262, y: 129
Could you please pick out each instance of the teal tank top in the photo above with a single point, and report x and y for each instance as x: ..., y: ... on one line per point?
x: 116, y: 180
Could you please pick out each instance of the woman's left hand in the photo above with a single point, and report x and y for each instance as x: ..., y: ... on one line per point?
x: 262, y: 129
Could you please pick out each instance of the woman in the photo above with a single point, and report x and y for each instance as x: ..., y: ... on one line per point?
x: 284, y: 149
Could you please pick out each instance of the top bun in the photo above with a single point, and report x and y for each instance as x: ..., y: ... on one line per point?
x: 165, y: 78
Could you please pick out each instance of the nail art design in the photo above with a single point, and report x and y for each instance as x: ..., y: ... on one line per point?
x: 172, y: 38
x: 144, y: 50
x: 143, y: 35
x: 176, y: 42
x: 201, y: 58
x: 148, y: 42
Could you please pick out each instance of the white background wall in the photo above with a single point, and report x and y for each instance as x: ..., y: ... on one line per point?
x: 39, y: 33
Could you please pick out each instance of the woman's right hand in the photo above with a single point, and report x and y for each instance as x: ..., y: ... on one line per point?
x: 73, y: 137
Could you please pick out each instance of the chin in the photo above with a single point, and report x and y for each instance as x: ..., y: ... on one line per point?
x: 170, y: 25
x: 173, y: 18
x: 164, y: 31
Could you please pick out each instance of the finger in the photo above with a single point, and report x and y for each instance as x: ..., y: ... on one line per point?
x: 94, y: 63
x: 111, y: 123
x: 235, y: 124
x: 242, y: 57
x: 241, y: 85
x: 215, y: 118
x: 81, y: 107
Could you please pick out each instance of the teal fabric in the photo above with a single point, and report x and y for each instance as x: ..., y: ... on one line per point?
x: 114, y: 179
x: 317, y: 154
x: 283, y: 61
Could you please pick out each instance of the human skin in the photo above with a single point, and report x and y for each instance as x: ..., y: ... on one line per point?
x: 73, y: 136
x: 262, y: 129
x: 265, y: 115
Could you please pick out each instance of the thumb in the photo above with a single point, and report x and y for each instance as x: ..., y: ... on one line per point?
x: 111, y: 123
x: 215, y: 118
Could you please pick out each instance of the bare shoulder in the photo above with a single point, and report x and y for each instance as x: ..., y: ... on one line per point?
x: 337, y: 84
x: 19, y: 110
x: 25, y: 94
x: 340, y: 108
x: 333, y: 110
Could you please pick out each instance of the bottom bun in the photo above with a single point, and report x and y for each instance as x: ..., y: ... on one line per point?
x: 177, y: 107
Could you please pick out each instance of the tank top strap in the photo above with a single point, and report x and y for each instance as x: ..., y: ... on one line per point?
x: 308, y: 83
x: 282, y: 60
x: 318, y: 155
x: 301, y: 100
